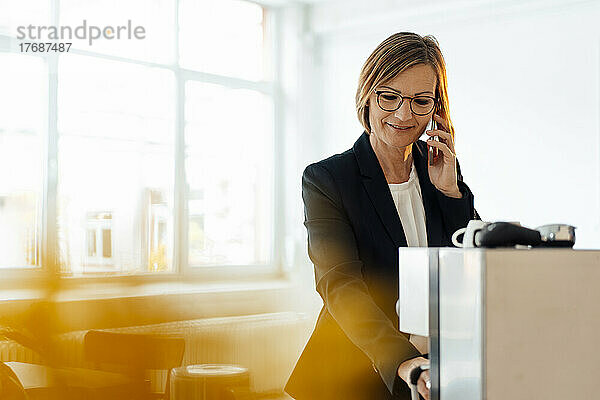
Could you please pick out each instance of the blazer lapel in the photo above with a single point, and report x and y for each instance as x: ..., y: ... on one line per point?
x: 377, y: 188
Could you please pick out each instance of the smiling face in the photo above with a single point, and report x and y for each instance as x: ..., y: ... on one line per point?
x: 402, y: 127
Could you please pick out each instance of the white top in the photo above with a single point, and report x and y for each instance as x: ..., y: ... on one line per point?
x: 409, y: 203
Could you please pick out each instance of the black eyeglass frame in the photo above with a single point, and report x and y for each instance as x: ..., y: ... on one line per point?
x: 379, y: 92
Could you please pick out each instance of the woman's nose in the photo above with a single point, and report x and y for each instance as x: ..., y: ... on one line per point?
x: 403, y: 112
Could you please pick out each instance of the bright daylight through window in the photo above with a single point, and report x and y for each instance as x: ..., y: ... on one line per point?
x: 139, y: 130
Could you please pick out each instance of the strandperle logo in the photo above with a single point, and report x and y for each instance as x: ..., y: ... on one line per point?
x: 83, y: 31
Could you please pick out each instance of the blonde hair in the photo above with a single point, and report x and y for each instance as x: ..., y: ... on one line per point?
x: 395, y: 54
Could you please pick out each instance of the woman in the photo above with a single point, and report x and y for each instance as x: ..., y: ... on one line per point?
x: 361, y: 206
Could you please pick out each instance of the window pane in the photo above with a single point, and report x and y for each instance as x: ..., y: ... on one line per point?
x: 23, y: 126
x: 15, y: 13
x: 223, y: 37
x: 91, y: 242
x: 156, y: 17
x: 116, y: 165
x: 229, y: 171
x: 106, y: 243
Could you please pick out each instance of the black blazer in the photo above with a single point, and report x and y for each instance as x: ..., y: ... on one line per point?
x: 354, y: 233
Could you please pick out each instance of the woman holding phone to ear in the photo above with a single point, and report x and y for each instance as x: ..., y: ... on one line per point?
x: 362, y: 205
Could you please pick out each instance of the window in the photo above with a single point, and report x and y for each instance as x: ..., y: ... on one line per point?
x: 240, y: 29
x: 22, y: 132
x: 14, y: 13
x: 163, y: 147
x: 157, y: 17
x: 230, y: 190
x: 116, y: 134
x: 99, y: 241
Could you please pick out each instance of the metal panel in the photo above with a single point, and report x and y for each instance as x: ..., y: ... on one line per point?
x: 460, y: 308
x: 434, y: 324
x: 413, y: 299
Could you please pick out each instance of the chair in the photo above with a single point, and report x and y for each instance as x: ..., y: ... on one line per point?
x: 26, y: 381
x: 10, y: 385
x: 132, y: 355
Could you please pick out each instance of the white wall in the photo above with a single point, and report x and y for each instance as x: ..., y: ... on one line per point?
x: 524, y: 97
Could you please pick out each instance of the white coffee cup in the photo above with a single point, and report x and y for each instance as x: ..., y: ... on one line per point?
x: 469, y: 231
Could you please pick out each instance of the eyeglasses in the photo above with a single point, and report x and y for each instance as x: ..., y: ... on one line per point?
x: 391, y: 101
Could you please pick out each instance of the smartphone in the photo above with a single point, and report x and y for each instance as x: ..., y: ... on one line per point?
x: 433, y: 151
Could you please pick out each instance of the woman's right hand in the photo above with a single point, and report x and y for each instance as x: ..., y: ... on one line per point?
x: 404, y: 373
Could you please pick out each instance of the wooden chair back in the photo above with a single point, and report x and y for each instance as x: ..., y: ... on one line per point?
x: 134, y: 354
